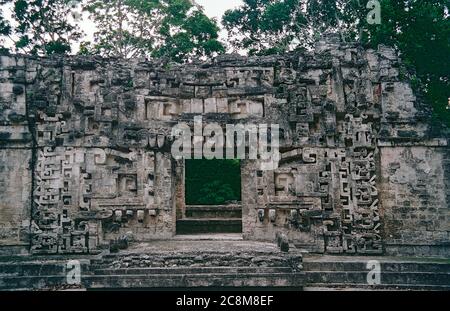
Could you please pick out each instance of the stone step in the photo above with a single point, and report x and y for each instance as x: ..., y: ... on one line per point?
x: 219, y: 237
x: 214, y: 211
x: 389, y: 278
x: 193, y: 254
x: 51, y: 276
x: 209, y: 225
x: 365, y: 287
x: 49, y: 258
x: 31, y: 282
x: 386, y: 266
x: 193, y: 261
x: 164, y: 280
x: 38, y: 268
x: 218, y: 280
x: 191, y: 270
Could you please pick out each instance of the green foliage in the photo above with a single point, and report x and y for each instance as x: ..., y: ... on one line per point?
x: 277, y: 26
x: 5, y: 29
x: 125, y: 28
x: 264, y: 26
x: 419, y: 29
x: 215, y: 193
x: 43, y: 27
x: 5, y: 26
x: 198, y: 36
x: 176, y: 29
x: 163, y: 28
x: 421, y: 32
x: 212, y: 181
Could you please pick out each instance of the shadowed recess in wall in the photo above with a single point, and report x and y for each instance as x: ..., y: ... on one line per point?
x: 212, y: 181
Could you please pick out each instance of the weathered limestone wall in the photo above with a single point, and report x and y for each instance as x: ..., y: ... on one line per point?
x: 416, y: 213
x: 15, y: 158
x: 415, y: 180
x: 15, y: 195
x: 85, y: 150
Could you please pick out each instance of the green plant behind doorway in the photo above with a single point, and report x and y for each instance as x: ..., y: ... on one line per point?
x: 212, y: 182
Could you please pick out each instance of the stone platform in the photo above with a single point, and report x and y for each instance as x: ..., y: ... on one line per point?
x: 221, y: 261
x: 396, y: 273
x: 185, y: 262
x: 211, y: 219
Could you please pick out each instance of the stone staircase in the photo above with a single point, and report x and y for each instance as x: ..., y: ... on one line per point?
x: 166, y: 264
x: 211, y: 219
x: 38, y: 272
x: 350, y: 273
x: 210, y: 269
x: 219, y: 264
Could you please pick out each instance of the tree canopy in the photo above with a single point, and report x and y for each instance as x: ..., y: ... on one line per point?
x: 5, y: 28
x: 42, y: 27
x: 419, y: 29
x: 421, y: 32
x: 277, y: 26
x: 176, y: 29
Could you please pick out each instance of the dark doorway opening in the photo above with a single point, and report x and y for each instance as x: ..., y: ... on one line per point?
x: 212, y: 197
x: 212, y: 182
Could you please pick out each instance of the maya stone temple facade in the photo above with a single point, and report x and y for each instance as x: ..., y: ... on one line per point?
x: 85, y: 151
